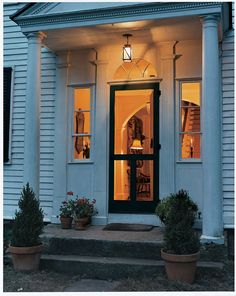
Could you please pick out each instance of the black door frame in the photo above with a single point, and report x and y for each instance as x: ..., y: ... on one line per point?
x: 133, y: 206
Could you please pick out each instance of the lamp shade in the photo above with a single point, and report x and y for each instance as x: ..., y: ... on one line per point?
x: 127, y: 53
x: 136, y: 145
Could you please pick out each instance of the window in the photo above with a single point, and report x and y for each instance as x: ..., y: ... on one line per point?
x: 6, y: 111
x: 190, y: 120
x: 82, y: 123
x: 137, y: 69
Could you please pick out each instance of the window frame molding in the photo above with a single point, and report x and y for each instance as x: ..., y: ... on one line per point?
x: 70, y: 157
x: 10, y: 65
x: 178, y: 153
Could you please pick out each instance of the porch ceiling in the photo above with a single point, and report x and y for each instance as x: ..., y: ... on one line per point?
x: 148, y: 32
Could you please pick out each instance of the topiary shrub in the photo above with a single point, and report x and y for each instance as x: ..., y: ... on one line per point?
x: 178, y: 213
x: 28, y: 222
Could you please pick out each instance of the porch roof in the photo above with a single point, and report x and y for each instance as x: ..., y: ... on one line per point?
x: 87, y: 25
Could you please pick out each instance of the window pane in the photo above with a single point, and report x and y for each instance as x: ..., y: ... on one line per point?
x: 134, y: 121
x: 81, y: 147
x: 121, y: 180
x: 191, y: 93
x: 191, y: 145
x: 144, y: 180
x: 82, y: 99
x: 190, y: 119
x: 81, y: 122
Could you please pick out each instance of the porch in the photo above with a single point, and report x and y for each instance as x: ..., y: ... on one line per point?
x: 182, y: 42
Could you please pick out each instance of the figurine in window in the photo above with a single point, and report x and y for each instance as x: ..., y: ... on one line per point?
x: 86, y: 151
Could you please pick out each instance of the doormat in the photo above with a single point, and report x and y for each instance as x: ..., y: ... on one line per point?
x: 128, y: 227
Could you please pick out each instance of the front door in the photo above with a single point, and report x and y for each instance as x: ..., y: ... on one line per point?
x: 134, y: 148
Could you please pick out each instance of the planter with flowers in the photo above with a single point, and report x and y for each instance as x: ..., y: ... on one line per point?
x: 66, y: 210
x: 83, y: 210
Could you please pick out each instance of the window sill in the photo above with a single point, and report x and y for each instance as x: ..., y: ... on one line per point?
x: 81, y: 162
x: 187, y: 161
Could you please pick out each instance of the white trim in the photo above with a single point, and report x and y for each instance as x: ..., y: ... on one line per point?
x: 133, y: 12
x: 9, y: 65
x: 13, y: 217
x: 151, y: 219
x: 228, y: 226
x: 179, y: 159
x: 212, y: 239
x: 134, y: 81
x: 80, y: 85
x: 71, y: 134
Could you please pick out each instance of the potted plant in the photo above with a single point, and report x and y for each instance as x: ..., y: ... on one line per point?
x: 182, y: 243
x: 83, y: 210
x: 66, y: 209
x: 26, y: 246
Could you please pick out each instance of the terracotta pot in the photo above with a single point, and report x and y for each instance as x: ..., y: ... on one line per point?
x: 66, y: 222
x: 26, y: 258
x: 81, y: 223
x: 180, y: 267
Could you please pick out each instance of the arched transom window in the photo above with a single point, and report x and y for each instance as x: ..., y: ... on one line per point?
x: 137, y: 69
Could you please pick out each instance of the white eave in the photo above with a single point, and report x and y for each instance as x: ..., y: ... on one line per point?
x: 38, y: 21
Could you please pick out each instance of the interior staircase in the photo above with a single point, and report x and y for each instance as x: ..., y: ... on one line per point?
x: 192, y: 124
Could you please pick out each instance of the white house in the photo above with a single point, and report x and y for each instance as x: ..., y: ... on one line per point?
x: 127, y: 129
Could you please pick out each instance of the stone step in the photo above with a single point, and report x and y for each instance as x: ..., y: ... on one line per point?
x: 110, y: 267
x: 102, y: 248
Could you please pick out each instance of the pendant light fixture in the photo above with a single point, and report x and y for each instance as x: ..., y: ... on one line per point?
x: 127, y: 51
x: 136, y: 145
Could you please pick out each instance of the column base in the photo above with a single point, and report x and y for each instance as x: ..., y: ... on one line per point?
x: 99, y: 220
x: 212, y: 239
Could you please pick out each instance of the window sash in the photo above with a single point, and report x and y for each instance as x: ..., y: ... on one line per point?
x: 74, y: 135
x: 190, y: 133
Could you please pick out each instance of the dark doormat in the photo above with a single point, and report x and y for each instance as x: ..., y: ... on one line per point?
x: 128, y: 227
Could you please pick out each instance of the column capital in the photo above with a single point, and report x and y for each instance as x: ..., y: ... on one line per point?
x: 36, y: 36
x: 210, y: 20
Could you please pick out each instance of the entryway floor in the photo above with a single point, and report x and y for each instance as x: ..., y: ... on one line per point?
x: 97, y: 233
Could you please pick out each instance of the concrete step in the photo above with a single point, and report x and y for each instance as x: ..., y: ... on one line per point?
x: 102, y: 248
x: 110, y: 267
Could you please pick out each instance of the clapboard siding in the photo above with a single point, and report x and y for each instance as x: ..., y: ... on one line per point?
x: 228, y: 127
x: 15, y: 54
x: 13, y: 172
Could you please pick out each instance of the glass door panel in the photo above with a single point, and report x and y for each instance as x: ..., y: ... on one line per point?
x: 134, y: 121
x: 121, y: 180
x: 144, y: 180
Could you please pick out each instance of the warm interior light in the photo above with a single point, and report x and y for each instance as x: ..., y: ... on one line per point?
x: 136, y: 145
x: 127, y: 51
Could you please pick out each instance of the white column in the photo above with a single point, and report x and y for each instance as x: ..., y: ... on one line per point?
x: 32, y: 112
x: 212, y: 228
x: 61, y: 137
x: 101, y: 153
x: 167, y: 119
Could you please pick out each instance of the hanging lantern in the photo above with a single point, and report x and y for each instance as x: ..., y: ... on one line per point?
x: 127, y: 51
x: 136, y: 145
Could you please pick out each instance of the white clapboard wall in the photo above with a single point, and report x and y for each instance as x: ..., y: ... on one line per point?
x: 228, y: 126
x: 15, y: 56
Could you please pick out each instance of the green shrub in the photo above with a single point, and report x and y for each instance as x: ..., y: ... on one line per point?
x: 28, y: 222
x: 178, y: 213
